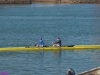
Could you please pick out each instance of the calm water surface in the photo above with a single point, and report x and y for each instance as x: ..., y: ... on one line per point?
x: 22, y: 25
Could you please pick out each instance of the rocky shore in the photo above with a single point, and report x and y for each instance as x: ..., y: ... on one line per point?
x: 68, y: 1
x: 15, y: 1
x: 48, y: 1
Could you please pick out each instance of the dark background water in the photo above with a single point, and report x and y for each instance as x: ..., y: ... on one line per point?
x: 22, y: 25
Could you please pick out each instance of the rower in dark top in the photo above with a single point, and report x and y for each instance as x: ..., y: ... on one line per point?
x: 57, y: 43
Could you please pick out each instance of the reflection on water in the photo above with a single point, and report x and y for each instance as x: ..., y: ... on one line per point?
x: 58, y: 63
x: 49, y: 62
x: 54, y: 62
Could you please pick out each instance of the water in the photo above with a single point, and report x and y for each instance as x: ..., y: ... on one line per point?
x: 23, y: 25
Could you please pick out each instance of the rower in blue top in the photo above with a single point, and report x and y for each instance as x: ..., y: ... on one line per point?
x: 40, y: 43
x: 57, y: 43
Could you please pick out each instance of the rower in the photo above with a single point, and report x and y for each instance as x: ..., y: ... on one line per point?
x: 40, y: 43
x: 57, y: 43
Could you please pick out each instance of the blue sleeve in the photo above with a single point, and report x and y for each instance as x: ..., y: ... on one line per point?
x: 42, y: 43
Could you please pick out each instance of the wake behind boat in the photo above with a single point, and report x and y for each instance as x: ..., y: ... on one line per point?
x: 32, y: 48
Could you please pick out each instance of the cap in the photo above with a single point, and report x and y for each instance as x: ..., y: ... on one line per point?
x: 40, y: 38
x: 58, y: 38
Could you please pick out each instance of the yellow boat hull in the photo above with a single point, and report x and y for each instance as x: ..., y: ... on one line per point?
x: 76, y: 47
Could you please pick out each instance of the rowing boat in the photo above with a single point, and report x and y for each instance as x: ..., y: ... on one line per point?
x: 95, y: 71
x: 32, y: 48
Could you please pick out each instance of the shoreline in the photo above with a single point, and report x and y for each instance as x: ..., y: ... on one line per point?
x: 50, y: 2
